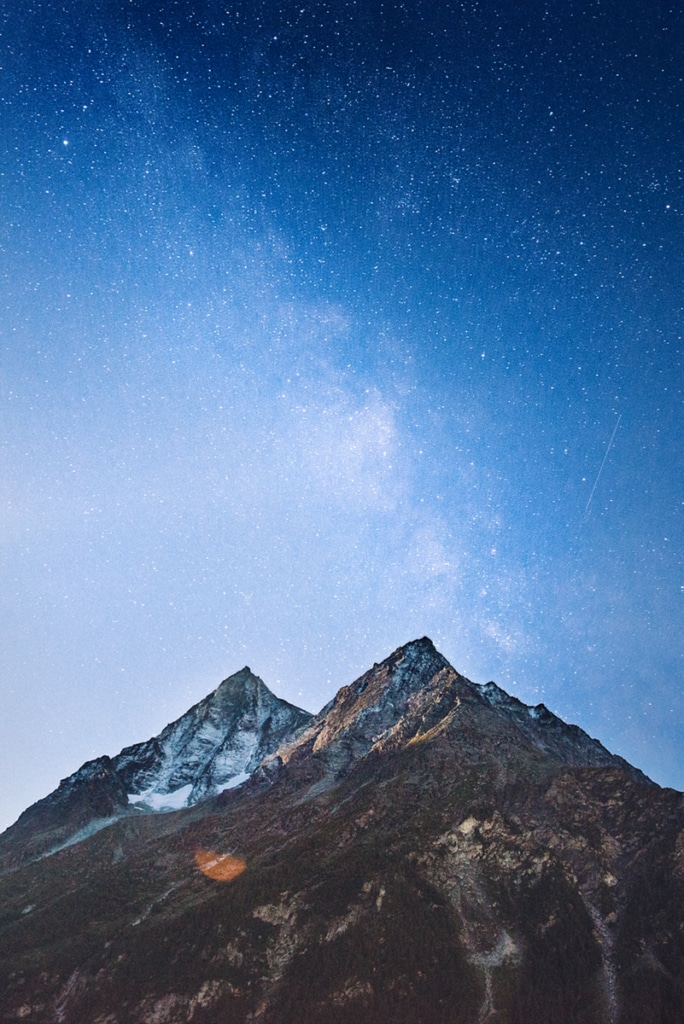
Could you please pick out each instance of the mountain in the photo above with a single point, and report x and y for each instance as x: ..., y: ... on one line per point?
x: 425, y: 849
x: 215, y: 745
x: 413, y: 697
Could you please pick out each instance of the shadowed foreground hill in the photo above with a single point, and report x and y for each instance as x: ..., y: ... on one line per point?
x: 426, y: 850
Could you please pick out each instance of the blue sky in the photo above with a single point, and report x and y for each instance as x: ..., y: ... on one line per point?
x: 327, y: 326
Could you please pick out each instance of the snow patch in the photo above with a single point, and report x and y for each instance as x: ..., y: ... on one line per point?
x: 162, y: 801
x: 236, y: 781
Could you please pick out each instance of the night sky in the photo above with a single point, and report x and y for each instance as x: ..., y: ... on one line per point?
x: 329, y: 325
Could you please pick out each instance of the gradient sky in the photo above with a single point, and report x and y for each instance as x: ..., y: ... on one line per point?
x: 327, y: 325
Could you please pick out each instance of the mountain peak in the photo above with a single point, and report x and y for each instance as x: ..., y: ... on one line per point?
x: 365, y: 714
x: 214, y: 746
x: 423, y: 641
x: 240, y: 683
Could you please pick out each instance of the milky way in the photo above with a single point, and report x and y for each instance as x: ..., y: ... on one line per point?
x: 318, y: 322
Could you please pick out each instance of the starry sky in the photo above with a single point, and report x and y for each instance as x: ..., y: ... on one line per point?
x: 326, y: 325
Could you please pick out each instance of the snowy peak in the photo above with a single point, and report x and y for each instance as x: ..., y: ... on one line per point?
x: 214, y: 746
x: 242, y: 685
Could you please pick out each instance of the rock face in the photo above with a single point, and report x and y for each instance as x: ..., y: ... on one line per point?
x: 216, y: 745
x: 425, y: 850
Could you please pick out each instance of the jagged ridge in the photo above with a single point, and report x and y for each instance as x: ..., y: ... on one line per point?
x: 414, y: 696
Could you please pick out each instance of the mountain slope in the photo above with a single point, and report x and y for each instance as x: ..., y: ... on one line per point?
x: 427, y: 850
x: 214, y: 746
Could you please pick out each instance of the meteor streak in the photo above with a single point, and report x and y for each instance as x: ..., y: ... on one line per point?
x: 598, y: 475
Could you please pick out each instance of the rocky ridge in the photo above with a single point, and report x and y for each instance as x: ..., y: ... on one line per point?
x: 412, y: 697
